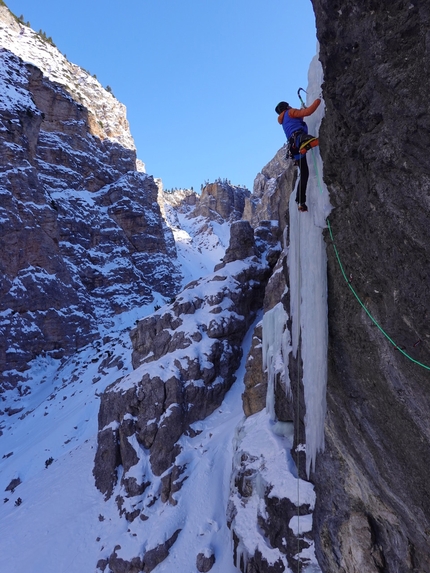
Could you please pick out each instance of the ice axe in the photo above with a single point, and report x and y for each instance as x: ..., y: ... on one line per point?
x: 300, y: 97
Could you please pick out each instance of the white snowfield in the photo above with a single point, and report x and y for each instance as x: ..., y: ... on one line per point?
x: 64, y: 523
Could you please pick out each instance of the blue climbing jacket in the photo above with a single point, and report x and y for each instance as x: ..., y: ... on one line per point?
x: 292, y: 124
x: 295, y: 128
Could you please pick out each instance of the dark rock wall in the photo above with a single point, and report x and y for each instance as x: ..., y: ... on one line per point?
x: 373, y: 500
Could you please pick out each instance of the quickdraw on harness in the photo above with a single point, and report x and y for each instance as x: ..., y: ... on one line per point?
x: 293, y: 145
x: 299, y: 143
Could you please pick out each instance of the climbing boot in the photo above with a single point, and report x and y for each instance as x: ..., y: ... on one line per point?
x: 307, y: 143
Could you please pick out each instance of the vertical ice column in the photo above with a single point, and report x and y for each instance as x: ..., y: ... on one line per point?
x: 308, y: 285
x: 276, y: 347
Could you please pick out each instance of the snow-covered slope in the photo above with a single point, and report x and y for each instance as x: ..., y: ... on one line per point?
x: 63, y: 521
x: 200, y: 244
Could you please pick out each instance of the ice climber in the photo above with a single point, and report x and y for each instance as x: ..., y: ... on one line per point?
x: 299, y: 142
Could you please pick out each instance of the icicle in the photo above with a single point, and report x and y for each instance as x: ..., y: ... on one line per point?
x: 276, y: 347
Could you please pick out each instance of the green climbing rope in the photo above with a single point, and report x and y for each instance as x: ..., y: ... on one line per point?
x: 375, y: 322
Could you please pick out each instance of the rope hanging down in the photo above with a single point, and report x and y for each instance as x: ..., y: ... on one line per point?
x: 348, y: 282
x: 299, y: 298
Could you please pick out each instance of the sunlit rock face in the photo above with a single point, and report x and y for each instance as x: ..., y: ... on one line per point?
x: 106, y: 115
x: 271, y: 192
x: 82, y: 237
x: 222, y: 200
x: 373, y: 503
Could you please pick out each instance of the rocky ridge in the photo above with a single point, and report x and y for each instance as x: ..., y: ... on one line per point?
x: 222, y: 200
x: 106, y: 115
x: 185, y: 358
x: 271, y: 192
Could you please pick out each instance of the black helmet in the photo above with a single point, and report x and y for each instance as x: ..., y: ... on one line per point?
x: 282, y: 106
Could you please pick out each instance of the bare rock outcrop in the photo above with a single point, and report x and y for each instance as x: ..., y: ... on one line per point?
x: 254, y: 396
x: 271, y: 193
x: 106, y: 116
x: 205, y: 561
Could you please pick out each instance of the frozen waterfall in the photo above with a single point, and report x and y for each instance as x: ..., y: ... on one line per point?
x: 307, y: 262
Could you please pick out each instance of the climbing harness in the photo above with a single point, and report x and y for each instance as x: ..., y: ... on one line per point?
x: 293, y: 145
x: 354, y: 292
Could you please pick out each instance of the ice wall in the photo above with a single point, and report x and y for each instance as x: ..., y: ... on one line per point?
x: 308, y: 283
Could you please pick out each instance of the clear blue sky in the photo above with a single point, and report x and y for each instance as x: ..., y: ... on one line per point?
x: 200, y: 78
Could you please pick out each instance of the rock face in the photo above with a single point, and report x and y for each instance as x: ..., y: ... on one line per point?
x: 271, y: 193
x: 254, y: 396
x: 205, y: 561
x: 78, y: 221
x: 185, y: 357
x: 222, y: 199
x: 106, y: 115
x: 373, y: 503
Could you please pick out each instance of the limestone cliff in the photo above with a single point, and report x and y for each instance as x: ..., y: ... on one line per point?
x: 78, y: 219
x: 271, y: 192
x: 223, y: 199
x: 106, y: 115
x: 373, y: 503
